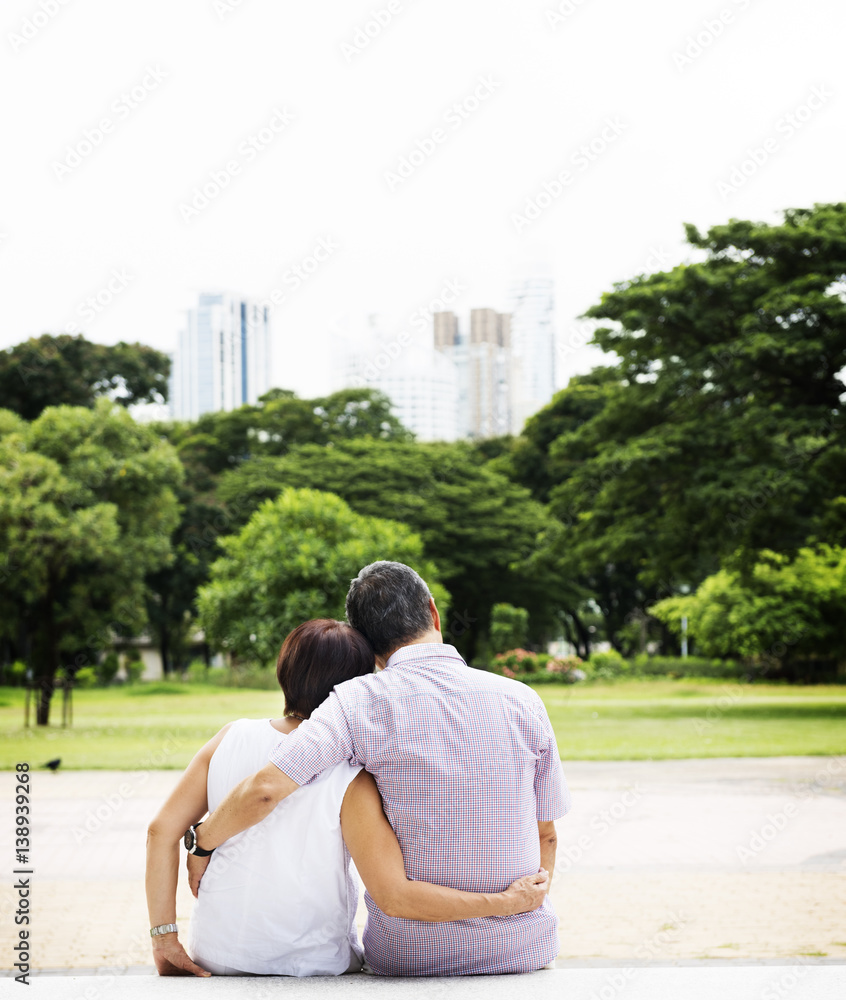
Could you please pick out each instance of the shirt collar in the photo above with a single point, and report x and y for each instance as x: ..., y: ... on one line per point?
x: 423, y: 651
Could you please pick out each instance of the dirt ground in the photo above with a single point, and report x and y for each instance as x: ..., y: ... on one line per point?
x: 662, y: 861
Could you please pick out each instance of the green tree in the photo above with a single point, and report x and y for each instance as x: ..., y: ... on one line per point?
x: 292, y: 561
x: 222, y: 441
x: 719, y: 433
x: 509, y: 627
x: 281, y: 421
x: 86, y: 509
x: 785, y: 614
x: 72, y: 371
x: 481, y: 529
x: 726, y: 435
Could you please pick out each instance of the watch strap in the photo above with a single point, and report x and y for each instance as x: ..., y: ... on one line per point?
x: 196, y: 850
x: 163, y: 929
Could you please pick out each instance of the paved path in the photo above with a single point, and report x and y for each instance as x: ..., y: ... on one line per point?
x: 665, y: 861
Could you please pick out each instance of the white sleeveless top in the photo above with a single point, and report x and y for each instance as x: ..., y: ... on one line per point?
x: 278, y: 898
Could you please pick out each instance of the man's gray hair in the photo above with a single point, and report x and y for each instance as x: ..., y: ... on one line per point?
x: 389, y: 604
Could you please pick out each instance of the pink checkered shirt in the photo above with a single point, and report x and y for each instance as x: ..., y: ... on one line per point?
x: 467, y: 763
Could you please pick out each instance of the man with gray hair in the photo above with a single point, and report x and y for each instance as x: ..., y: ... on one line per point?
x: 469, y: 773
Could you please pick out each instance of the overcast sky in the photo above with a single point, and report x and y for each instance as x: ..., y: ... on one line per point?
x: 116, y: 114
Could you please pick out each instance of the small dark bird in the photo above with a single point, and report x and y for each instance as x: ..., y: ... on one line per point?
x: 53, y: 764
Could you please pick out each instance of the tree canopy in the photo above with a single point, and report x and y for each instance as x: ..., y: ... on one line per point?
x: 481, y: 529
x: 293, y: 560
x: 720, y: 431
x: 72, y: 371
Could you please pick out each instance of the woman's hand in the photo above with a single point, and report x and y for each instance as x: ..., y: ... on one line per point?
x: 527, y: 893
x: 171, y: 958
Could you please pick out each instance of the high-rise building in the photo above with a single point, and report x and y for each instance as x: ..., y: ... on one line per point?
x: 533, y: 346
x: 484, y: 367
x: 420, y: 383
x: 223, y: 356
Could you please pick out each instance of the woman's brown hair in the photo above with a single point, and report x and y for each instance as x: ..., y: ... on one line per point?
x: 315, y: 657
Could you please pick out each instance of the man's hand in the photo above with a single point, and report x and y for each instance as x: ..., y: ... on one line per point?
x: 171, y: 958
x: 527, y: 893
x: 196, y: 870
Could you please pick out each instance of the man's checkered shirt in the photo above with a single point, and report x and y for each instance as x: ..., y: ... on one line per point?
x: 467, y: 764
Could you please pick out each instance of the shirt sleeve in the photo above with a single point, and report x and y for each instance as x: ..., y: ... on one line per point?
x: 317, y: 744
x: 552, y: 796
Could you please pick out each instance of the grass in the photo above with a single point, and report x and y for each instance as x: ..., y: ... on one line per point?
x: 161, y: 725
x: 660, y: 719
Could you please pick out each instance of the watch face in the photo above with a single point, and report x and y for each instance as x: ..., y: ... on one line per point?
x: 188, y: 839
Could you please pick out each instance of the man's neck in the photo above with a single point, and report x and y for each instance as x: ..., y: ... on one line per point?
x: 433, y: 636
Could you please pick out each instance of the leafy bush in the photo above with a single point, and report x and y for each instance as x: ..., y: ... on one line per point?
x: 134, y: 670
x: 509, y: 627
x: 197, y: 672
x: 106, y: 670
x: 86, y: 677
x: 782, y: 611
x: 15, y: 674
x: 538, y: 667
x: 608, y: 666
x: 692, y: 666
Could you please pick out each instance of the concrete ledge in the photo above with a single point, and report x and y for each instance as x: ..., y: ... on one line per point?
x: 799, y: 982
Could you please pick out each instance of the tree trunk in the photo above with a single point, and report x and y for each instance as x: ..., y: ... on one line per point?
x: 584, y: 635
x: 164, y: 649
x: 49, y: 661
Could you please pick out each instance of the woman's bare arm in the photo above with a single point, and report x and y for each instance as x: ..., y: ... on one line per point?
x: 187, y: 804
x: 376, y: 852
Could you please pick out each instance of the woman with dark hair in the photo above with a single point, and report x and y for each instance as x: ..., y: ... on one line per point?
x: 279, y: 898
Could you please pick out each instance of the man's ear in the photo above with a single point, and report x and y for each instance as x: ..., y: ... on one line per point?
x: 436, y: 618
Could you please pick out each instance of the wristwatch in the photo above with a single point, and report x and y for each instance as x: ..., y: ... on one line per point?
x: 190, y: 841
x: 164, y: 929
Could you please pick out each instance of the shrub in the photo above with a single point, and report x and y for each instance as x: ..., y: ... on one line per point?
x: 538, y: 667
x: 15, y: 673
x: 85, y: 677
x: 106, y: 670
x: 691, y: 666
x: 196, y: 672
x: 608, y: 666
x: 509, y: 627
x: 134, y: 670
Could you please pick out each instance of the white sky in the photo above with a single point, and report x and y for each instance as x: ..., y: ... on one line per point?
x: 323, y: 175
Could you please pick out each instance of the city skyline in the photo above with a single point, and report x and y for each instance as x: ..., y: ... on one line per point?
x: 280, y: 139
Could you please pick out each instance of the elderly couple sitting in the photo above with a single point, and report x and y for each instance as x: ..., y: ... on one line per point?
x: 441, y: 784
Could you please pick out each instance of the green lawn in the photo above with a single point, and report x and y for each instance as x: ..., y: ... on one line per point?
x: 142, y: 727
